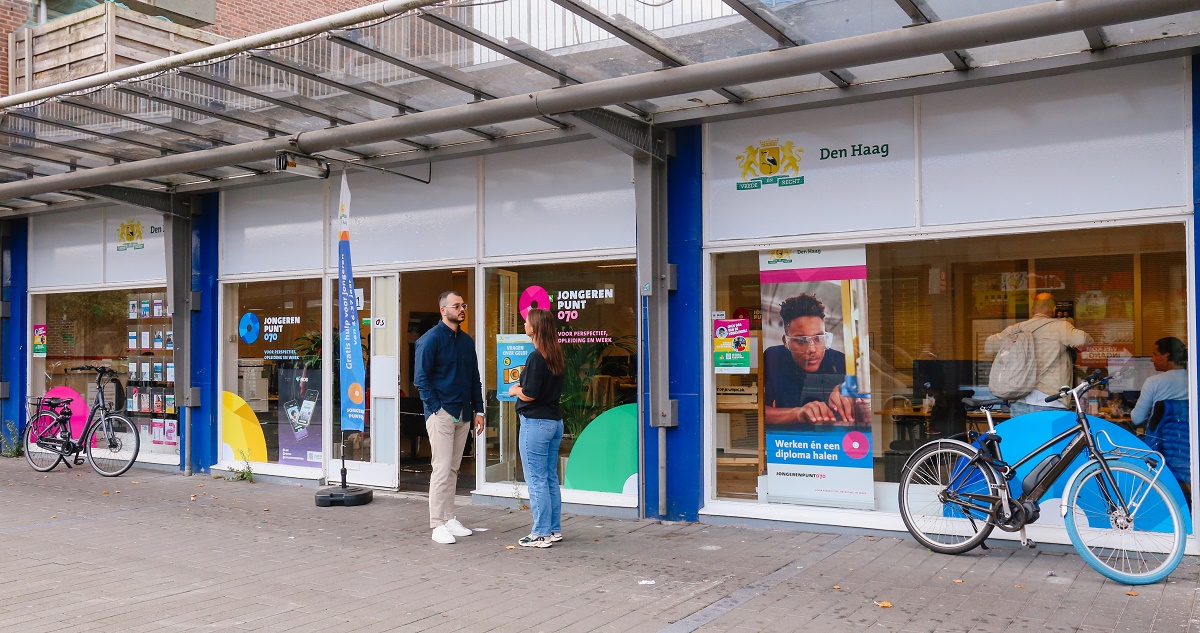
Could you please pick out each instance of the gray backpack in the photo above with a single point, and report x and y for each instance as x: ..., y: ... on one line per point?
x: 1015, y: 371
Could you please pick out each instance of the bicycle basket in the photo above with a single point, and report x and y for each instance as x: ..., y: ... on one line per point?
x: 35, y: 402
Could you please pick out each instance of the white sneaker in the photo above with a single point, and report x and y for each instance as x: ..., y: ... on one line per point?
x: 456, y: 528
x: 442, y: 535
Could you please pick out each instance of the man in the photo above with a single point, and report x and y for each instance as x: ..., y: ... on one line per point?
x: 803, y: 376
x: 447, y: 377
x: 1170, y: 358
x: 1052, y: 338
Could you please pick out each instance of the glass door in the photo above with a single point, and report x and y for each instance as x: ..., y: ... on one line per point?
x: 371, y: 454
x: 418, y: 313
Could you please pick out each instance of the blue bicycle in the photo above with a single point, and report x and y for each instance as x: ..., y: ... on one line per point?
x: 1119, y: 515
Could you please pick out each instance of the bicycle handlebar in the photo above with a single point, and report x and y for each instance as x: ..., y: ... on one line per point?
x: 100, y: 369
x: 1089, y: 382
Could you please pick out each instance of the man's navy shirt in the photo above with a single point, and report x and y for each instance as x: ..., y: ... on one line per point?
x: 447, y: 373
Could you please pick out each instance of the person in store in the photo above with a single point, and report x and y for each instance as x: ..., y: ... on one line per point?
x: 447, y: 378
x: 537, y: 394
x: 1170, y: 359
x: 1162, y: 408
x: 803, y: 376
x: 1053, y: 340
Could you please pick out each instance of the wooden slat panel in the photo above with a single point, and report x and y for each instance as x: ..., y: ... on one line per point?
x: 58, y: 40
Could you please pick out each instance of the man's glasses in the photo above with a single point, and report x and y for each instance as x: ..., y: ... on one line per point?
x: 456, y: 306
x: 824, y: 339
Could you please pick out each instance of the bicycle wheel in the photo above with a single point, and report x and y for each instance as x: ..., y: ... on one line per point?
x: 1136, y: 550
x: 112, y: 445
x: 941, y: 498
x: 43, y: 426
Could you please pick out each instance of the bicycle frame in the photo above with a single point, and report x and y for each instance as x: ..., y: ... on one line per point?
x: 1082, y: 441
x: 97, y: 416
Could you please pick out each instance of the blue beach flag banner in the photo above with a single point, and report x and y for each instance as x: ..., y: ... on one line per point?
x: 351, y: 371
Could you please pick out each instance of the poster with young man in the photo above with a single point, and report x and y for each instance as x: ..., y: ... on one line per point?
x: 816, y: 372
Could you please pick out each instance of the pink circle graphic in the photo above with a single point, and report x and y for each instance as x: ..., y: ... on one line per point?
x: 533, y: 297
x: 856, y: 445
x: 79, y: 407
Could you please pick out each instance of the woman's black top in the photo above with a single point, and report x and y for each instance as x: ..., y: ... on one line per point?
x: 544, y: 387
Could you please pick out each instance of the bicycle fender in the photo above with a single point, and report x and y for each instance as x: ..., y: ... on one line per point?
x: 958, y: 443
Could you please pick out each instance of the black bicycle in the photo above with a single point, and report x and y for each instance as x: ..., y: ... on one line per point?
x: 109, y: 440
x: 1119, y: 515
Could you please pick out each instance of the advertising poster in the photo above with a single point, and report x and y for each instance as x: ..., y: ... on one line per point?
x: 39, y: 340
x: 817, y: 408
x: 352, y: 370
x: 299, y: 417
x: 511, y: 352
x: 731, y: 346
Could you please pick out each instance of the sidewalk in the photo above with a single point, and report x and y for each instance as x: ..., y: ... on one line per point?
x: 151, y: 551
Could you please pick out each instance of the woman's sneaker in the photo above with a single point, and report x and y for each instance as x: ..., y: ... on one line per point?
x: 555, y: 537
x: 534, y: 541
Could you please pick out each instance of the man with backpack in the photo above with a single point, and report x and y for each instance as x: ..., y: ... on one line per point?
x: 1026, y: 377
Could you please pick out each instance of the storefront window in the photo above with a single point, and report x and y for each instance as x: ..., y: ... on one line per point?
x: 596, y: 309
x: 921, y: 323
x: 128, y: 330
x: 271, y: 409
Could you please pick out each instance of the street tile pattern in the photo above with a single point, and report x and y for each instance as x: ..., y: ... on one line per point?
x: 157, y: 551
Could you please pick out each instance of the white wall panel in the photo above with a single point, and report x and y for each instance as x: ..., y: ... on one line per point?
x: 393, y: 219
x: 127, y: 257
x: 1108, y: 140
x: 840, y: 192
x: 559, y: 198
x: 67, y: 249
x: 277, y: 227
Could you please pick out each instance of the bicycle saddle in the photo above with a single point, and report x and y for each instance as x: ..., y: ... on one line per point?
x: 981, y: 403
x: 54, y: 403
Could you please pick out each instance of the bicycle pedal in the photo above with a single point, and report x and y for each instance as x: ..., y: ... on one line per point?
x: 1030, y: 543
x: 79, y: 461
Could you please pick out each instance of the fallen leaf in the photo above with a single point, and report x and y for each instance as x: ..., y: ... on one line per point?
x: 214, y: 496
x: 958, y: 580
x: 941, y: 577
x: 10, y: 485
x: 837, y: 586
x: 1131, y: 593
x: 851, y: 569
x: 54, y: 517
x: 200, y: 486
x: 104, y: 493
x: 188, y: 510
x: 135, y: 482
x: 510, y: 547
x: 1019, y: 586
x: 78, y: 475
x: 266, y: 509
x: 193, y: 498
x: 884, y: 605
x: 117, y: 491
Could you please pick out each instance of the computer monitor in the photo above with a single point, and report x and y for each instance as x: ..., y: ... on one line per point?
x: 1129, y: 373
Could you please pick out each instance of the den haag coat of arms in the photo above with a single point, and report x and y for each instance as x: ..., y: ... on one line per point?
x: 770, y: 163
x: 129, y: 235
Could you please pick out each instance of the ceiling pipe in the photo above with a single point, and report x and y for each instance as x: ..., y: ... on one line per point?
x: 1010, y: 25
x: 296, y: 31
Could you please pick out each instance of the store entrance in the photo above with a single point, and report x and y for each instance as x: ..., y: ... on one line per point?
x: 417, y: 310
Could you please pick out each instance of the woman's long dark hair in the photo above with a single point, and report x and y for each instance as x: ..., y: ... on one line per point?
x: 545, y: 339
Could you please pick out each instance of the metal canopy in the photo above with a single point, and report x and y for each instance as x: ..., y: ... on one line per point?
x: 421, y: 59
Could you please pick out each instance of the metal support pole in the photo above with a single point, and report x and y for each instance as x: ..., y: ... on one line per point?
x: 177, y: 227
x: 654, y: 282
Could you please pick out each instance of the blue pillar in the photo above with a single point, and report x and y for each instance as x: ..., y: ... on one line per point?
x: 14, y: 331
x: 204, y: 333
x: 1195, y: 188
x: 685, y: 443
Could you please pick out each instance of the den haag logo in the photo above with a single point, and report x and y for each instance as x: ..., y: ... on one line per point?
x: 129, y: 236
x: 770, y: 163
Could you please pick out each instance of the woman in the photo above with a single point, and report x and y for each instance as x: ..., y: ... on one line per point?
x: 537, y: 394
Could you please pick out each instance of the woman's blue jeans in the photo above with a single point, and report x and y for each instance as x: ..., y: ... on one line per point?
x: 539, y: 458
